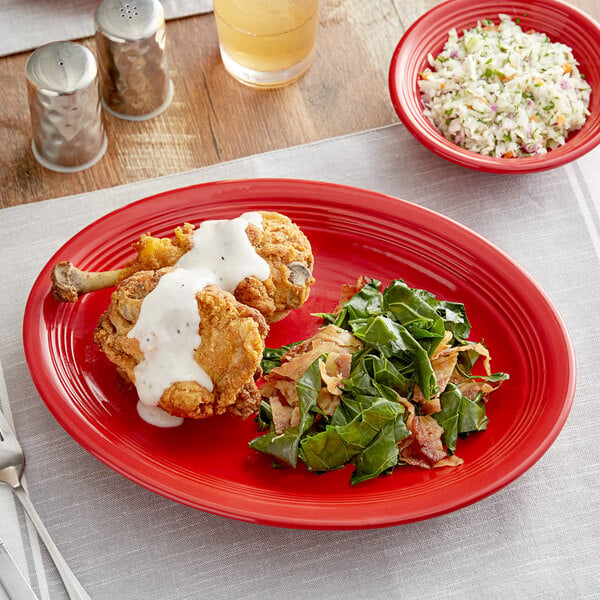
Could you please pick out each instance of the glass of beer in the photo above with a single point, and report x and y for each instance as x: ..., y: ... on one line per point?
x: 267, y: 43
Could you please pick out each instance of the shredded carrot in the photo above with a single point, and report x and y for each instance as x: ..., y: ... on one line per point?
x: 508, y: 155
x: 567, y: 68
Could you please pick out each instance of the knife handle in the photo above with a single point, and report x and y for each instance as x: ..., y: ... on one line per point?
x: 74, y: 589
x: 12, y: 579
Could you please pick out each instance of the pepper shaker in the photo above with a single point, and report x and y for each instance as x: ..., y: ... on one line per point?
x: 132, y: 59
x: 64, y: 104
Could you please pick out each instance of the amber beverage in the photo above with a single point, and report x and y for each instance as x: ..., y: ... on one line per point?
x: 267, y: 43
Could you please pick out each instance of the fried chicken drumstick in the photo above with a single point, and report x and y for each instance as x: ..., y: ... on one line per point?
x: 232, y: 341
x: 280, y: 242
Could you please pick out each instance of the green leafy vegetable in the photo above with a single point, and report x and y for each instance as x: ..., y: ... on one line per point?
x: 380, y: 457
x: 264, y: 418
x: 283, y: 447
x: 337, y: 445
x: 459, y: 415
x: 400, y: 328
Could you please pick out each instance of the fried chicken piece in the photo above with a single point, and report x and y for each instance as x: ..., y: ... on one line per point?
x: 288, y: 253
x: 232, y: 341
x: 280, y: 242
x: 69, y: 282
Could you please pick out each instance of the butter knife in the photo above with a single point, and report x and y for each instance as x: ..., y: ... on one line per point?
x: 11, y: 578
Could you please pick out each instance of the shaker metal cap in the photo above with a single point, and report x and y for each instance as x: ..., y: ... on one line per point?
x: 132, y: 60
x: 62, y: 68
x: 64, y: 104
x: 129, y: 20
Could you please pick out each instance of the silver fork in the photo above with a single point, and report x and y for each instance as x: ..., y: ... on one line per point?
x: 12, y: 462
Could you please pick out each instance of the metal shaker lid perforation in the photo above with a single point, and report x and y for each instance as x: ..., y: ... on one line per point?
x: 132, y: 59
x: 130, y: 20
x: 64, y: 104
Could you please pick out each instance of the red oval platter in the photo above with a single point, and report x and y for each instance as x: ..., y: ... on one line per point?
x: 207, y: 464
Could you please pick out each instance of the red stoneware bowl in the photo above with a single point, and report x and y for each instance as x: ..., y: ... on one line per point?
x: 559, y: 20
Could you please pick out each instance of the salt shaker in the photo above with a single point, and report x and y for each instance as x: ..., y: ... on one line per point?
x: 64, y: 104
x: 132, y: 60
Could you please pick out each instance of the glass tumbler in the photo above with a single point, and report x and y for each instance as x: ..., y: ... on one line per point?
x: 267, y: 43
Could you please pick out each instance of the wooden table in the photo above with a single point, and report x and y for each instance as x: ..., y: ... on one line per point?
x: 213, y: 118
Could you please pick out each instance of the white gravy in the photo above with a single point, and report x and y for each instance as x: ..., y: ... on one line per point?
x: 167, y: 328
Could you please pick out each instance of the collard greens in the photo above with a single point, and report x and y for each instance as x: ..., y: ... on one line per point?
x: 400, y: 328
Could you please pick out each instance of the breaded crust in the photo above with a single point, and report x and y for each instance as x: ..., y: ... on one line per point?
x: 280, y: 242
x: 287, y: 250
x: 232, y: 342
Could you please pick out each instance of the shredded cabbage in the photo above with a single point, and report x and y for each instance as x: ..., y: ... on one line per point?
x: 500, y: 91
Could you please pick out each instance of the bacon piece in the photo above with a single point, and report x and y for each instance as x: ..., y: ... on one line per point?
x: 350, y: 290
x: 285, y: 388
x: 423, y: 448
x: 338, y: 345
x: 334, y: 370
x: 443, y: 345
x: 477, y: 347
x: 282, y: 414
x: 327, y: 401
x: 471, y: 388
x: 449, y: 461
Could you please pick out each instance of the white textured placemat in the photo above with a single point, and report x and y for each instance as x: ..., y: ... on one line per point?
x: 538, y: 538
x: 28, y: 24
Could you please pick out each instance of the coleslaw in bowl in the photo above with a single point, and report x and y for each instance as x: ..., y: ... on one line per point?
x: 500, y: 86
